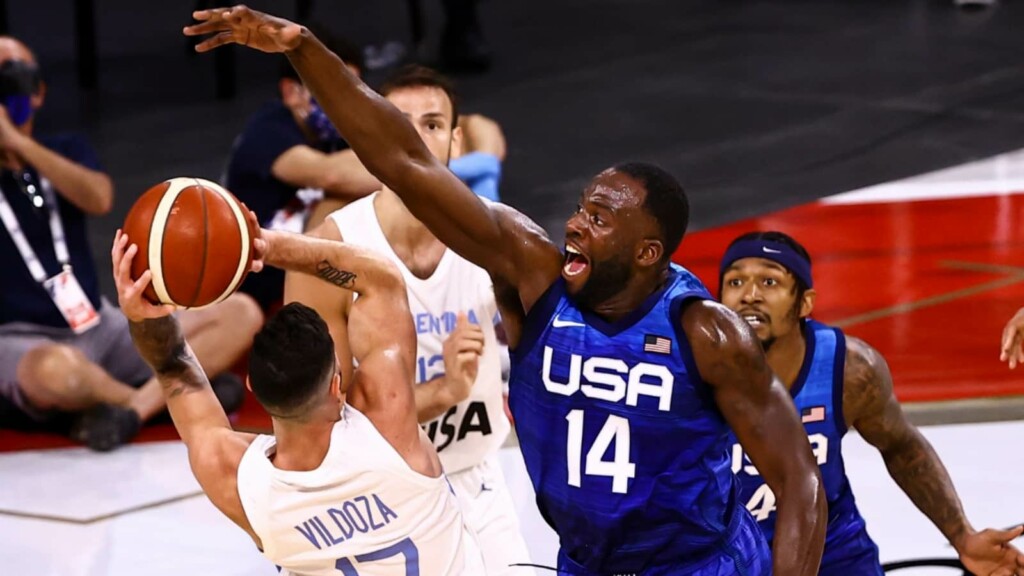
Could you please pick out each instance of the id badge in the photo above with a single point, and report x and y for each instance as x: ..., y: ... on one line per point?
x: 70, y: 299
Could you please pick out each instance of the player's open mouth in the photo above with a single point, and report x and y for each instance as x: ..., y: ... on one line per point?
x: 575, y: 262
x: 754, y: 320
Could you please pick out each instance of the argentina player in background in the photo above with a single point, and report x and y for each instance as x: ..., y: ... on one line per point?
x: 626, y: 376
x: 839, y: 381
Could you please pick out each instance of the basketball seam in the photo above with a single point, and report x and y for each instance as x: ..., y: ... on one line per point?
x: 243, y: 229
x: 156, y: 240
x: 205, y: 243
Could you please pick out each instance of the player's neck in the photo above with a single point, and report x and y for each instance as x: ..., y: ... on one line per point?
x: 786, y: 356
x: 637, y: 289
x: 302, y: 446
x: 411, y: 240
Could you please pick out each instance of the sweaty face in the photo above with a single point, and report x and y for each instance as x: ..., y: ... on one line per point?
x: 764, y: 294
x: 602, y: 237
x: 430, y: 111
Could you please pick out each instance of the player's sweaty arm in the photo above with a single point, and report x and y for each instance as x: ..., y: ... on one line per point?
x: 871, y: 407
x: 760, y: 412
x: 382, y: 339
x: 497, y: 239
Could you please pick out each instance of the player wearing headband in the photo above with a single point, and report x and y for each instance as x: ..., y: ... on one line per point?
x: 839, y: 381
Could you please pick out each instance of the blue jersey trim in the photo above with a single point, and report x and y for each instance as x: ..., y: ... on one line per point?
x: 538, y: 317
x: 838, y: 381
x: 810, y: 342
x: 686, y: 352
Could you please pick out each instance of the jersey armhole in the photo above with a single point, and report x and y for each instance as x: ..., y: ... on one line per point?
x: 838, y: 380
x: 537, y: 318
x: 685, y: 350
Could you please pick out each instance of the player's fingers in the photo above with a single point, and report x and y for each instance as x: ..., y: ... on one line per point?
x: 471, y: 346
x: 139, y: 286
x: 124, y: 266
x: 220, y: 39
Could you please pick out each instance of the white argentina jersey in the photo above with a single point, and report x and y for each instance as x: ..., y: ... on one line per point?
x: 476, y: 427
x: 363, y: 512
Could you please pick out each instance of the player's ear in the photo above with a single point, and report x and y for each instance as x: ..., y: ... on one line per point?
x: 807, y: 302
x: 248, y: 384
x: 336, y: 385
x: 651, y: 251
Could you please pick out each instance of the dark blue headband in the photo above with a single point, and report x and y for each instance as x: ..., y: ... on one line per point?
x: 774, y: 251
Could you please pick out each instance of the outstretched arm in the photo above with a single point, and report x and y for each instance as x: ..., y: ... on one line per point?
x: 214, y: 449
x: 871, y: 407
x: 761, y: 414
x: 502, y: 241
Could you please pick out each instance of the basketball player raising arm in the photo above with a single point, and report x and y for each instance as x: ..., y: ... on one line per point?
x: 294, y: 375
x: 608, y: 336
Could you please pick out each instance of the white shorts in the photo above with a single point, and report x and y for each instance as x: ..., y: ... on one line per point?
x: 488, y: 509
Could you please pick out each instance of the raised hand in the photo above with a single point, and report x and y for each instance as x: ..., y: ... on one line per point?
x: 462, y: 351
x: 240, y: 25
x: 989, y: 553
x: 130, y: 292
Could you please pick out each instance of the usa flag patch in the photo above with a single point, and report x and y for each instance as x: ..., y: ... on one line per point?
x: 657, y: 344
x: 812, y: 414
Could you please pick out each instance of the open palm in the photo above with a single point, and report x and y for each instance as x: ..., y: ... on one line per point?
x: 240, y: 25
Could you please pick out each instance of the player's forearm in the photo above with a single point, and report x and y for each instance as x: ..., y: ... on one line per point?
x: 384, y: 139
x: 391, y: 149
x: 342, y: 265
x: 89, y: 190
x: 433, y: 399
x: 800, y: 526
x: 347, y: 178
x: 917, y: 469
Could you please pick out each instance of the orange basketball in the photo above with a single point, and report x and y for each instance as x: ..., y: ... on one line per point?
x: 195, y: 237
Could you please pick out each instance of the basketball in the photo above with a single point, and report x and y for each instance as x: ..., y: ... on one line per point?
x: 195, y: 238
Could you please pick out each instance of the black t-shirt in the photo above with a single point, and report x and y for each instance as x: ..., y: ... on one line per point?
x: 22, y: 299
x: 271, y: 132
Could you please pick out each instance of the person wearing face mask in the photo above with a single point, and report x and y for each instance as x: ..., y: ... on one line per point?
x: 291, y: 167
x: 838, y: 382
x: 67, y: 364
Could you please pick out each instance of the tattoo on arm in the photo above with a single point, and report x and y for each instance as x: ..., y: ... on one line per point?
x: 162, y: 345
x: 341, y: 278
x: 909, y: 457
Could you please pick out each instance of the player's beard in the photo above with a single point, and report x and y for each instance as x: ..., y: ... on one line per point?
x: 607, y: 278
x: 792, y: 316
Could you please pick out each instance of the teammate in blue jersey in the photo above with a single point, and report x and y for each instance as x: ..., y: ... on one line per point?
x: 626, y: 375
x: 839, y: 381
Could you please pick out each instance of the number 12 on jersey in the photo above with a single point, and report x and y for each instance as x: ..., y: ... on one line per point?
x: 619, y: 468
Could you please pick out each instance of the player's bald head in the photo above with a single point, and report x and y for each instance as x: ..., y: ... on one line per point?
x: 13, y: 49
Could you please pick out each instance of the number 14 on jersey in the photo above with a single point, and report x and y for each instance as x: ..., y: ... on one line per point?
x: 619, y: 468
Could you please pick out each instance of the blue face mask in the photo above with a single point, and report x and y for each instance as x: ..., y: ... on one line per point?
x: 19, y: 108
x: 320, y: 125
x: 18, y: 81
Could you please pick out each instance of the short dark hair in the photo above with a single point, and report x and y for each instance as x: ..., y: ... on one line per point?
x: 347, y: 51
x: 292, y: 358
x: 781, y: 238
x: 666, y: 201
x: 417, y: 76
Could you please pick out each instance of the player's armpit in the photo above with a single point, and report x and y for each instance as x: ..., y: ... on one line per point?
x: 870, y: 406
x: 330, y: 303
x: 761, y: 414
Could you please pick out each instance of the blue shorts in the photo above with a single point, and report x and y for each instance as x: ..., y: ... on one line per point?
x: 858, y: 555
x: 746, y: 553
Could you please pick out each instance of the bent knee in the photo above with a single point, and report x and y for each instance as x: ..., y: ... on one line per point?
x: 244, y: 313
x: 47, y: 370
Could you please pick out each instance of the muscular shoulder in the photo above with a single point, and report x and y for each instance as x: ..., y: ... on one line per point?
x: 867, y: 383
x: 721, y: 341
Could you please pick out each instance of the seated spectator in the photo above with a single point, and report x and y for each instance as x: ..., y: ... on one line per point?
x: 67, y: 363
x: 287, y: 159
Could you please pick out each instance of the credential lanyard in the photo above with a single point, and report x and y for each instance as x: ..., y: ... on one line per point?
x: 60, y: 245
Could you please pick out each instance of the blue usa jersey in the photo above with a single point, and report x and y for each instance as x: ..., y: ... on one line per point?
x: 818, y: 395
x: 626, y: 450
